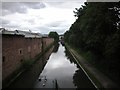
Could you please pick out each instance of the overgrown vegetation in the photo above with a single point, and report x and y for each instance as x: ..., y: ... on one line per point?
x: 54, y: 35
x: 96, y: 33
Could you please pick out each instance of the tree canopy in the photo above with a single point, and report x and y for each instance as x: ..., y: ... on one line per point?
x: 54, y: 35
x: 97, y: 30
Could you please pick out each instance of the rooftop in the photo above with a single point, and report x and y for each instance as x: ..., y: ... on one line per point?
x: 27, y: 34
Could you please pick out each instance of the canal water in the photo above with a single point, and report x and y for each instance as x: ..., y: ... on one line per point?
x: 60, y: 69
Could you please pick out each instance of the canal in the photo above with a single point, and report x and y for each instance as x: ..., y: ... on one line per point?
x: 57, y: 67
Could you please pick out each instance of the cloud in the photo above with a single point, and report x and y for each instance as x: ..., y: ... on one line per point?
x: 11, y: 7
x: 9, y: 24
x: 40, y: 17
x: 46, y: 29
x: 42, y: 29
x: 20, y: 7
x: 4, y: 21
x: 55, y: 24
x: 64, y: 0
x: 34, y: 5
x: 31, y: 21
x: 65, y: 3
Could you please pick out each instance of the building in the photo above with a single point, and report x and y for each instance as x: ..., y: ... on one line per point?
x: 19, y: 46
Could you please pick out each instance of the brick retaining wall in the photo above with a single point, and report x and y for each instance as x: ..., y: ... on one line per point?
x: 17, y: 48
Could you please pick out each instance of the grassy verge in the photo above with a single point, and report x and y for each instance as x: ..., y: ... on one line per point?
x: 105, y: 74
x: 99, y: 64
x: 90, y: 75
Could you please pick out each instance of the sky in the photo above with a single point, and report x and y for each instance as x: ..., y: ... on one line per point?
x: 41, y: 17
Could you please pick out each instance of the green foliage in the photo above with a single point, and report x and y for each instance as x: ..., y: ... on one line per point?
x: 97, y: 31
x: 54, y: 35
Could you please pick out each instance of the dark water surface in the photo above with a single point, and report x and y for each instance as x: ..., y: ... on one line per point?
x: 60, y: 67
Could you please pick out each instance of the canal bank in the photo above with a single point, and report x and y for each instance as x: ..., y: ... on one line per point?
x: 59, y: 70
x: 61, y: 67
x: 99, y: 80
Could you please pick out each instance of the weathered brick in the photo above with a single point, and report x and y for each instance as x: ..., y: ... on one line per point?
x: 16, y: 48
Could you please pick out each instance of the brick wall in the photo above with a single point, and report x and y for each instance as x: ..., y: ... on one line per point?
x: 16, y: 48
x: 47, y: 42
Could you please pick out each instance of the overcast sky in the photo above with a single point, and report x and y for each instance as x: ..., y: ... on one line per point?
x: 42, y: 17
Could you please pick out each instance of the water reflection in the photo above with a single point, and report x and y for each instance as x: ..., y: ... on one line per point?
x: 69, y: 56
x: 79, y: 78
x: 62, y: 67
x: 56, y: 47
x: 58, y: 67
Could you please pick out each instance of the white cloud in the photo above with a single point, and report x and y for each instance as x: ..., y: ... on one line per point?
x: 19, y: 7
x: 52, y: 16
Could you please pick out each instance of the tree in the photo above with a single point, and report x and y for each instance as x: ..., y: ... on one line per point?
x: 54, y: 35
x: 97, y: 30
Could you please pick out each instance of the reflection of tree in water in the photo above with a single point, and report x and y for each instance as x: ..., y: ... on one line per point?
x: 56, y: 47
x: 80, y: 80
x: 69, y: 56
